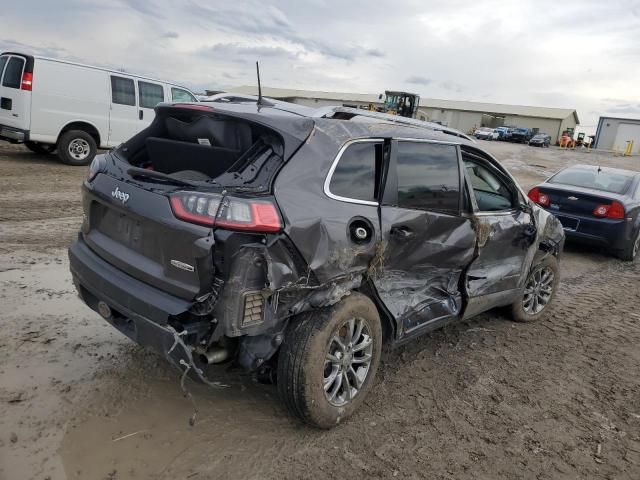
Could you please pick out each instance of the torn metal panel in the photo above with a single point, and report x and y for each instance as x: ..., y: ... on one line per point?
x: 319, y: 225
x: 424, y: 256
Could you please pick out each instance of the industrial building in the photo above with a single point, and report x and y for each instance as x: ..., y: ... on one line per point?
x: 616, y: 133
x: 461, y: 115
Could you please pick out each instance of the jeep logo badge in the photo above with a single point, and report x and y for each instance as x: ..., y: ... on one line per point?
x: 119, y: 195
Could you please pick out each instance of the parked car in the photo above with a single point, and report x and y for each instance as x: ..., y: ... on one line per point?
x: 486, y: 133
x: 540, y: 140
x: 520, y: 135
x: 296, y: 246
x: 50, y: 104
x: 502, y: 132
x: 595, y: 205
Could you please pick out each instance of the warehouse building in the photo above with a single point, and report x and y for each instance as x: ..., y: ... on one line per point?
x: 616, y: 133
x: 461, y: 115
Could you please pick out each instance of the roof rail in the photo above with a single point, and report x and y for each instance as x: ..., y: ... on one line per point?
x: 330, y: 112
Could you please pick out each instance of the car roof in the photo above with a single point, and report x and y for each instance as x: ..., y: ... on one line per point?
x: 294, y: 119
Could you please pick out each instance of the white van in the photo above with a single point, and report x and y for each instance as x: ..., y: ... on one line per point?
x: 54, y: 104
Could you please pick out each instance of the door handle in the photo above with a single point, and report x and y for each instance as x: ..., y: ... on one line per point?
x: 401, y: 232
x: 140, y: 114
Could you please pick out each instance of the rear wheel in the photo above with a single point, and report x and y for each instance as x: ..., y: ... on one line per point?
x: 539, y: 291
x: 630, y: 252
x: 328, y: 361
x: 76, y: 147
x: 40, y: 148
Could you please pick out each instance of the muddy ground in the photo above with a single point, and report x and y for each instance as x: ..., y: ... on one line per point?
x: 487, y: 399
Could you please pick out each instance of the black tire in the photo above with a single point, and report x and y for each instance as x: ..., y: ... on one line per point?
x: 40, y: 148
x: 77, y: 148
x: 303, y: 361
x: 518, y: 311
x: 631, y: 250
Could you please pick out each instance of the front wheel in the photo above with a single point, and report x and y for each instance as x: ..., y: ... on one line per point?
x: 539, y: 291
x: 76, y: 147
x: 328, y: 361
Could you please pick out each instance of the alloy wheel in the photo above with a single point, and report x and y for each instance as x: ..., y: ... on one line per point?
x: 347, y: 362
x: 538, y: 290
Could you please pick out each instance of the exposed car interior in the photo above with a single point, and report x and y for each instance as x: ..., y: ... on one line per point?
x: 201, y: 147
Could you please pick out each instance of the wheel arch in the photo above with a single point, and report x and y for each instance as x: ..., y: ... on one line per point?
x: 83, y: 125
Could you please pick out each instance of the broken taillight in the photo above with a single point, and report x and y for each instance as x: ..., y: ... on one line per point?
x: 233, y: 213
x: 615, y: 210
x: 540, y: 198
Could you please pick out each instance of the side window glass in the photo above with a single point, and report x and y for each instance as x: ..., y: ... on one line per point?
x: 123, y: 91
x: 428, y: 177
x: 3, y: 61
x: 180, y: 95
x: 150, y: 94
x: 355, y: 175
x: 13, y: 73
x: 490, y: 191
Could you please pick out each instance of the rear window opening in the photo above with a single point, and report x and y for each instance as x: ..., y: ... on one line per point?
x: 201, y: 146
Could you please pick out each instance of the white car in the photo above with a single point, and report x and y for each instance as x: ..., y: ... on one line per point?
x: 486, y: 133
x: 50, y: 104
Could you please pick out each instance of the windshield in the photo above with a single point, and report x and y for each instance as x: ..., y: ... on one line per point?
x: 485, y: 129
x: 613, y: 181
x: 539, y: 137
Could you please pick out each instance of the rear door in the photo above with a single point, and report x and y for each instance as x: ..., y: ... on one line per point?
x: 123, y: 113
x: 505, y: 235
x: 150, y: 94
x: 15, y: 90
x: 427, y: 240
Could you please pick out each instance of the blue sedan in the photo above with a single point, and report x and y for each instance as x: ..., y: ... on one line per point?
x: 595, y: 205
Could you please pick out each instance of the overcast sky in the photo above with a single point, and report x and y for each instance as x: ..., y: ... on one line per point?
x: 584, y: 54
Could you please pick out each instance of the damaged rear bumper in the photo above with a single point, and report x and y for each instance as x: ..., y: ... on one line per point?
x: 139, y: 311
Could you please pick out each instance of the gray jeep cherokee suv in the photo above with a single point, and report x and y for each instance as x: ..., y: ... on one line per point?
x: 296, y: 245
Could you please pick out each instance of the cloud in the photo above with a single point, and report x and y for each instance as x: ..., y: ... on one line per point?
x: 625, y: 109
x: 418, y: 79
x: 146, y: 7
x: 452, y: 86
x: 504, y: 52
x: 46, y: 51
x: 236, y: 50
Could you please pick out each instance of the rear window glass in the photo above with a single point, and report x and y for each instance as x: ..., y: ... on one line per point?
x: 603, y: 180
x: 3, y: 61
x: 151, y: 94
x: 428, y: 177
x: 355, y: 175
x: 13, y: 73
x: 123, y: 91
x: 180, y: 95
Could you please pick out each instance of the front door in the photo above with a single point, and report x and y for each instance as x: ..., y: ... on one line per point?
x: 149, y: 95
x: 505, y: 235
x: 427, y: 241
x: 123, y: 112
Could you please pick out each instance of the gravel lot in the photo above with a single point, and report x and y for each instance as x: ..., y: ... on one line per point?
x: 486, y: 399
